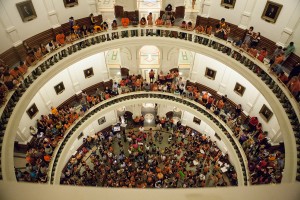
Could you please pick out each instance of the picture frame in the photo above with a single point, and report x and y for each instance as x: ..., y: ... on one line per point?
x: 26, y: 10
x: 59, y: 88
x: 70, y: 3
x: 265, y: 113
x: 210, y: 73
x: 239, y: 89
x: 88, y: 72
x: 196, y: 120
x: 228, y: 3
x: 102, y: 120
x: 32, y: 111
x: 271, y: 11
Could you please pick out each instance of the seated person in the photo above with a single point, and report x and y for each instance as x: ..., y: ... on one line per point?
x: 23, y: 67
x: 208, y: 29
x: 199, y: 29
x: 104, y: 26
x: 189, y: 26
x: 30, y: 59
x: 38, y: 53
x: 262, y: 54
x: 60, y: 38
x: 97, y: 28
x: 125, y: 22
x: 16, y: 73
x: 143, y: 22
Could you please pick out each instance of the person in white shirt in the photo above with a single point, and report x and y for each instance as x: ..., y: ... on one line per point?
x: 141, y: 129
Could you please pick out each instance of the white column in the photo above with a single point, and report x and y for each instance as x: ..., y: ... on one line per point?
x: 288, y: 30
x: 52, y: 13
x: 46, y: 100
x: 9, y: 27
x: 93, y: 7
x: 205, y: 8
x: 277, y: 138
x: 246, y: 14
x: 21, y: 138
x: 75, y: 82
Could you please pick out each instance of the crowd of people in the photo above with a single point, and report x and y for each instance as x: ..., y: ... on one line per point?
x: 137, y: 159
x: 265, y: 162
x: 10, y: 77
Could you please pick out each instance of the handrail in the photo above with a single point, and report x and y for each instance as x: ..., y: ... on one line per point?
x: 152, y: 95
x: 288, y: 103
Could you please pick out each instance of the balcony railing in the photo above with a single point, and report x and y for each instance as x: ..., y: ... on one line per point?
x: 242, y: 159
x: 288, y: 103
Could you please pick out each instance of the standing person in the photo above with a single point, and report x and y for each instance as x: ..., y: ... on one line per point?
x: 71, y: 23
x: 249, y: 35
x: 150, y: 19
x: 150, y: 23
x: 151, y: 75
x: 295, y: 71
x: 92, y: 19
x: 60, y: 38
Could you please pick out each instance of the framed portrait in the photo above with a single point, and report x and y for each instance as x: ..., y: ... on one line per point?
x: 102, y: 120
x: 239, y: 89
x: 271, y: 11
x: 210, y: 73
x: 88, y: 72
x: 32, y: 111
x: 228, y: 3
x: 265, y: 113
x: 197, y: 121
x: 59, y: 88
x: 70, y: 3
x: 26, y: 11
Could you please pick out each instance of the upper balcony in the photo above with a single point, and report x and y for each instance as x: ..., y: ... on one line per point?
x: 284, y: 106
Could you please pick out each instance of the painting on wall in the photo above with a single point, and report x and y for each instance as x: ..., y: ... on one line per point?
x: 265, y: 113
x: 59, y: 88
x: 102, y: 120
x: 70, y: 3
x: 271, y: 11
x: 239, y: 89
x: 88, y: 72
x: 26, y: 11
x: 197, y: 121
x: 32, y: 111
x: 228, y: 3
x: 210, y: 73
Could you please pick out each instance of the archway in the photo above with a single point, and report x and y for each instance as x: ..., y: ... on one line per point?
x: 149, y: 57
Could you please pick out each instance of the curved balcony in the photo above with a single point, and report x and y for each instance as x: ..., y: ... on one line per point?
x: 256, y: 72
x: 235, y: 151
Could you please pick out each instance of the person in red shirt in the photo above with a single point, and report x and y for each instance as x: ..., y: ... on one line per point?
x: 262, y: 54
x: 252, y: 123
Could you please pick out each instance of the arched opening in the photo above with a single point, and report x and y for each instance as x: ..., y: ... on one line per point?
x: 149, y: 57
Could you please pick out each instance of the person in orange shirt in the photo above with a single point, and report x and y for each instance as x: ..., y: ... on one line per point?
x: 54, y: 111
x: 60, y: 38
x: 278, y: 60
x: 106, y: 96
x: 220, y: 104
x: 16, y: 73
x: 23, y: 67
x: 208, y: 29
x: 205, y: 97
x: 125, y: 22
